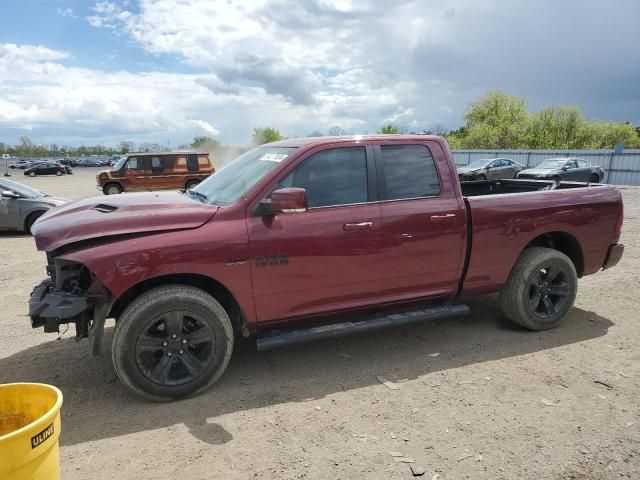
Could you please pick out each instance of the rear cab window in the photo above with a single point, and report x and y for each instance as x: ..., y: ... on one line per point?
x: 409, y: 171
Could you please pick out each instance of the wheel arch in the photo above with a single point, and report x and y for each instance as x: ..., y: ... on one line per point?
x: 37, y: 213
x: 213, y: 287
x: 563, y: 242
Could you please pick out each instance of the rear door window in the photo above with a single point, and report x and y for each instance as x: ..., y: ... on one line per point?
x: 409, y: 172
x: 156, y: 165
x: 192, y: 162
x: 582, y: 163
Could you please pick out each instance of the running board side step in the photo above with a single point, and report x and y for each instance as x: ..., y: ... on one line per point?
x: 294, y: 337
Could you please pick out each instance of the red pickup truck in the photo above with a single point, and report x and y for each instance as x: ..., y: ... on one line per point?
x: 312, y: 238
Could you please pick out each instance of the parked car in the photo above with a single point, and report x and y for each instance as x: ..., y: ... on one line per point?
x: 312, y: 238
x: 489, y: 169
x: 21, y: 206
x: 20, y: 163
x: 575, y: 169
x: 155, y: 171
x: 48, y: 168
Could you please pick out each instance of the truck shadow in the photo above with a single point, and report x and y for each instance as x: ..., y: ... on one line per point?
x: 98, y: 406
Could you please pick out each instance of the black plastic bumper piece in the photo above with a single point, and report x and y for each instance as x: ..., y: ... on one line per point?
x: 47, y: 304
x: 614, y: 254
x: 348, y: 328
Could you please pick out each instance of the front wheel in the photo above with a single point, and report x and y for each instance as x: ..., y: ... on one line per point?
x: 482, y: 177
x: 172, y: 342
x: 191, y: 184
x: 112, y: 189
x: 32, y: 174
x: 540, y: 290
x: 59, y: 173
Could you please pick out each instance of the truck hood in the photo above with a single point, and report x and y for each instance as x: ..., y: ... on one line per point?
x: 115, y: 215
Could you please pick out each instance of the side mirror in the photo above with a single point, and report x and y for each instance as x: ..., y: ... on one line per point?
x: 9, y: 194
x: 565, y: 168
x: 289, y: 200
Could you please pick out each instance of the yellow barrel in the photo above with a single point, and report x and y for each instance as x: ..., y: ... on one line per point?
x: 29, y: 431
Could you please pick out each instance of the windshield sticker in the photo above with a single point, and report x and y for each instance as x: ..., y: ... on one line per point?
x: 274, y: 157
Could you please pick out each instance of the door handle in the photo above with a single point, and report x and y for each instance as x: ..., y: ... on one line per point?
x: 350, y: 227
x: 443, y: 218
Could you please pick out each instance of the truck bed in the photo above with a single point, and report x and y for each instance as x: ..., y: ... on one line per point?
x: 501, y: 187
x: 500, y: 228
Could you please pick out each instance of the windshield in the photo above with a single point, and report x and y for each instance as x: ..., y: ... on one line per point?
x: 118, y: 165
x: 21, y: 189
x: 235, y: 179
x: 478, y: 163
x: 551, y: 164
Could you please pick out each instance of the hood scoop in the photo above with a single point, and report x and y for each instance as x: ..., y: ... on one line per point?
x: 104, y: 208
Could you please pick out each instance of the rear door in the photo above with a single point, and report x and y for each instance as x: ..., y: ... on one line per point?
x: 327, y: 258
x: 584, y: 169
x: 423, y: 222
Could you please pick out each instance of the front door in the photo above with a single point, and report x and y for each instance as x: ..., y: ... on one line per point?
x: 423, y: 222
x: 136, y: 174
x: 9, y: 212
x: 325, y: 259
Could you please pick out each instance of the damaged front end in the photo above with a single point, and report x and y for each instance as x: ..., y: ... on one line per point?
x: 71, y: 294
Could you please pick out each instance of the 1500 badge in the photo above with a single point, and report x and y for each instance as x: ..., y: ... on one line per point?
x: 272, y: 260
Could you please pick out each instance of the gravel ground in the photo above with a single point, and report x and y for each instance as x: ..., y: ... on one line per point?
x: 477, y: 397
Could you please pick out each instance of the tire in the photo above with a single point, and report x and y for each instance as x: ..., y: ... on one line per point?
x: 531, y: 281
x: 112, y: 189
x: 143, y: 343
x: 31, y: 219
x: 594, y: 178
x: 191, y: 183
x: 32, y: 174
x: 58, y: 173
x: 482, y: 177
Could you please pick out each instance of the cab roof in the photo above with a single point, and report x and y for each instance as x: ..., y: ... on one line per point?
x: 307, y: 141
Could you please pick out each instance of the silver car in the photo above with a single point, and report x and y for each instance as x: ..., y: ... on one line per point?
x: 489, y: 169
x: 20, y: 205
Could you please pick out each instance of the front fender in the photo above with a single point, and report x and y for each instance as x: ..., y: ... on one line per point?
x: 122, y: 264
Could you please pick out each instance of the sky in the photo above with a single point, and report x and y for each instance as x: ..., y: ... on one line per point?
x: 78, y: 72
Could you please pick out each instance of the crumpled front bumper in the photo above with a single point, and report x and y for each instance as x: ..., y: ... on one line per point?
x: 47, y: 303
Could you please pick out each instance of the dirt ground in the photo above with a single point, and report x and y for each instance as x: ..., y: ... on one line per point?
x: 478, y: 398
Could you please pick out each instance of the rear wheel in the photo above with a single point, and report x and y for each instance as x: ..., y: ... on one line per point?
x: 594, y: 178
x: 172, y: 342
x: 112, y: 189
x: 191, y: 183
x: 31, y: 219
x: 541, y: 289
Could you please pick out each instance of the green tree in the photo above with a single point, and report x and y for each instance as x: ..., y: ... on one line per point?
x: 496, y: 120
x: 203, y: 141
x: 266, y: 135
x: 126, y: 147
x: 335, y: 131
x: 389, y: 129
x: 555, y: 128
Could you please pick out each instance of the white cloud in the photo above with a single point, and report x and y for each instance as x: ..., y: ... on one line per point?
x: 304, y: 65
x: 66, y: 12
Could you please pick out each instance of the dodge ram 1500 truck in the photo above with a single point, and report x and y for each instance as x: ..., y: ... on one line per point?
x: 312, y: 238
